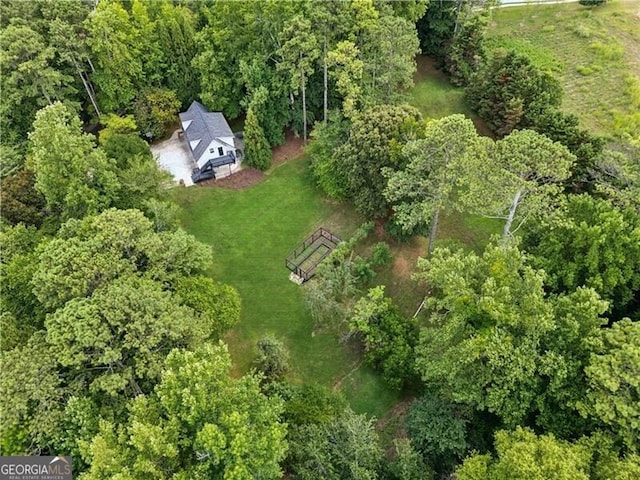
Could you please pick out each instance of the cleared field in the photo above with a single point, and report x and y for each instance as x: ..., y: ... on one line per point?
x: 594, y: 51
x: 252, y: 231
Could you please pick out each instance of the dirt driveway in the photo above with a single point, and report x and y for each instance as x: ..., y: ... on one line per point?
x: 174, y: 156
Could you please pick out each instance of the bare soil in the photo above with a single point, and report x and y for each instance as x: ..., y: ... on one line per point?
x: 242, y: 179
x: 291, y: 148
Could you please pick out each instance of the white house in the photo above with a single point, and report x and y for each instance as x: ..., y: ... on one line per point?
x: 209, y: 136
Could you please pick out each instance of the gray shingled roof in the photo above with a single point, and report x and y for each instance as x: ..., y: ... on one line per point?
x: 204, y: 126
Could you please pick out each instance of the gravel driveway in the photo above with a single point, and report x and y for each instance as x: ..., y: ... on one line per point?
x: 174, y: 156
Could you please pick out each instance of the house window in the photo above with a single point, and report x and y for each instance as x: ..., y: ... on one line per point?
x: 220, y: 151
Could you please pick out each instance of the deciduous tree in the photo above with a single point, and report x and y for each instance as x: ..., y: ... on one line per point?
x: 200, y: 424
x: 75, y: 178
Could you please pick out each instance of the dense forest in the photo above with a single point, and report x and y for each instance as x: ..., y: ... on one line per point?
x: 522, y: 360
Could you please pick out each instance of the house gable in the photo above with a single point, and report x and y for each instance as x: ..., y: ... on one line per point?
x: 202, y: 128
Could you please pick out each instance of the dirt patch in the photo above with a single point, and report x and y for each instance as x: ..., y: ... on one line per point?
x: 393, y: 422
x: 427, y: 67
x: 291, y: 148
x: 242, y: 179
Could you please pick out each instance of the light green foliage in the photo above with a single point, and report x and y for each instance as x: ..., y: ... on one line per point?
x: 438, y: 431
x: 568, y: 348
x: 273, y: 358
x: 591, y: 242
x: 614, y: 381
x: 488, y: 321
x: 155, y: 111
x: 257, y: 149
x: 89, y: 253
x: 75, y: 178
x: 139, y: 175
x: 426, y: 186
x: 325, y: 164
x: 344, y: 449
x: 117, y: 48
x: 518, y: 178
x: 347, y: 72
x: 521, y: 455
x: 375, y: 141
x: 200, y: 424
x: 116, y: 341
x: 388, y: 337
x: 218, y: 305
x: 30, y: 79
x: 30, y: 396
x: 407, y: 464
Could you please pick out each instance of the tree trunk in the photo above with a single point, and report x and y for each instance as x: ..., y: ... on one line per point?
x: 304, y: 109
x: 434, y: 231
x: 512, y: 213
x: 88, y: 89
x: 326, y: 106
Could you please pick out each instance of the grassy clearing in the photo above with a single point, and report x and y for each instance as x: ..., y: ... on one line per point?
x: 252, y: 231
x: 595, y: 52
x: 435, y: 97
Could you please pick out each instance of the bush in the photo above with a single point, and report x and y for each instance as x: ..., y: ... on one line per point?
x: 509, y: 92
x: 273, y: 358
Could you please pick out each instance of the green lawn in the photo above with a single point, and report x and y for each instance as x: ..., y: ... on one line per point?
x: 252, y: 231
x: 595, y: 52
x: 435, y: 97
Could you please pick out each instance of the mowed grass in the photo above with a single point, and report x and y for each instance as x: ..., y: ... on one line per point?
x: 251, y: 232
x: 597, y: 51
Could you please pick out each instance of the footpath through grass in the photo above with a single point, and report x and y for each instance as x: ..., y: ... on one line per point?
x: 251, y: 232
x: 594, y: 51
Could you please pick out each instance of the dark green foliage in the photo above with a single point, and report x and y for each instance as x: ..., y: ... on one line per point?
x: 257, y: 149
x: 435, y: 28
x: 273, y: 358
x: 438, y: 430
x: 381, y: 254
x: 591, y: 3
x: 509, y: 92
x: 466, y: 52
x: 155, y: 110
x: 375, y: 141
x: 345, y: 448
x: 592, y: 243
x: 175, y: 28
x: 309, y: 404
x: 564, y: 128
x: 267, y: 98
x: 388, y: 337
x: 21, y: 202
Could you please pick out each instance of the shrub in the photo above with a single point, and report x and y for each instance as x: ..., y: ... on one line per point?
x: 273, y: 358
